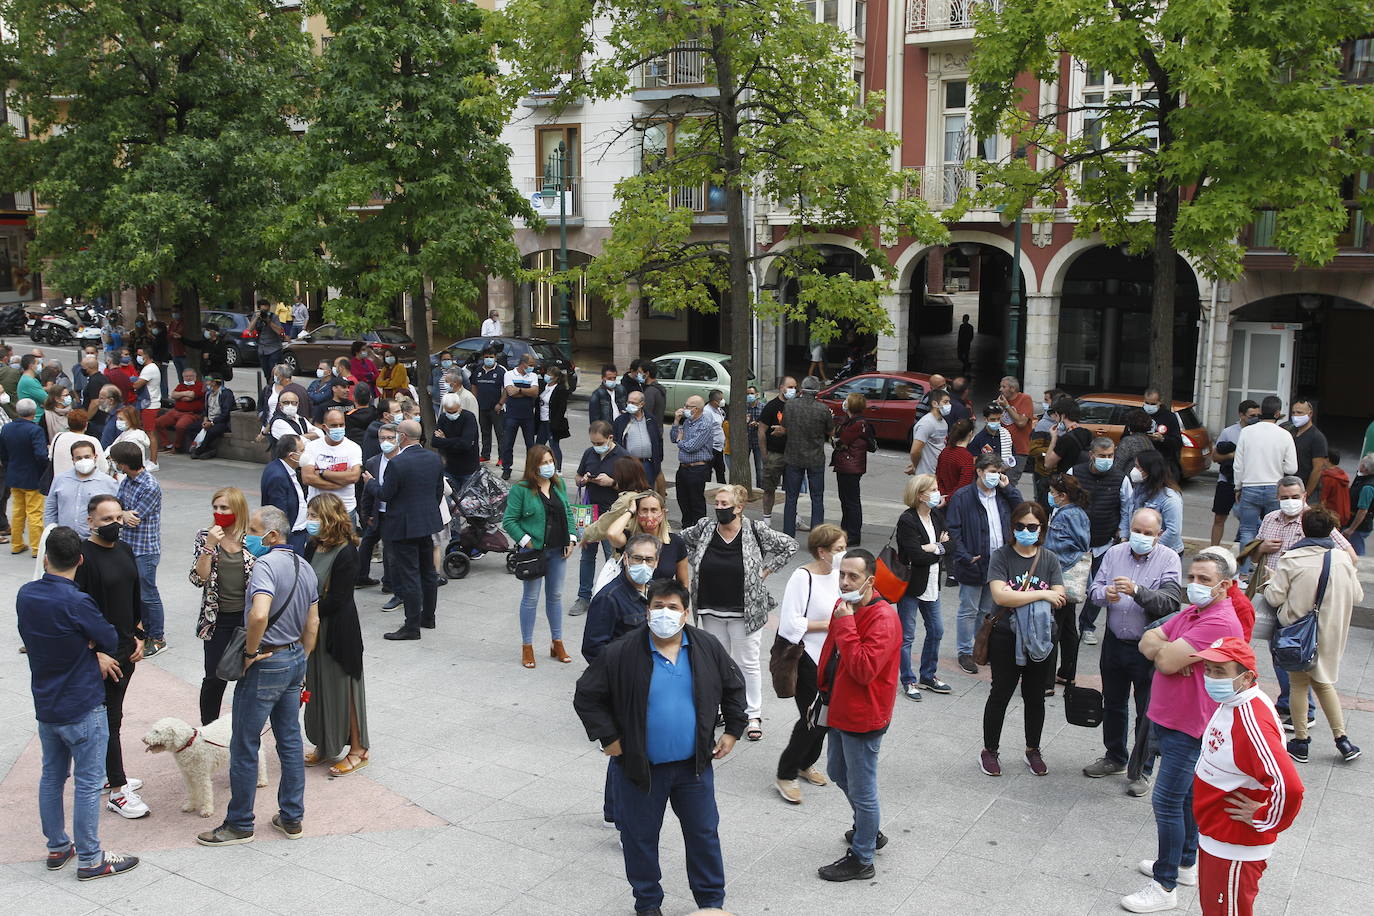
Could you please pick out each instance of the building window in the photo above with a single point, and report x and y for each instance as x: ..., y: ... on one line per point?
x: 659, y: 142
x: 1102, y: 92
x: 13, y: 118
x: 546, y: 299
x: 1359, y: 60
x: 957, y: 143
x: 860, y: 19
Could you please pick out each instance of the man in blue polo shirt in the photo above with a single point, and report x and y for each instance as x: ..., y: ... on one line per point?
x: 59, y: 624
x: 651, y: 699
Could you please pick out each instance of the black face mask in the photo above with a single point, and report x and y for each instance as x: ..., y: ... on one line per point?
x: 109, y: 532
x: 725, y: 516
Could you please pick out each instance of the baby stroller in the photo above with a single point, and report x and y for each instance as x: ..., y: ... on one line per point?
x: 477, y: 525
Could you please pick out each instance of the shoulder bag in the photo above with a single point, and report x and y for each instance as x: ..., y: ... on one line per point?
x: 893, y: 571
x: 784, y: 657
x: 1082, y: 706
x: 230, y: 664
x: 1295, y: 645
x: 984, y: 635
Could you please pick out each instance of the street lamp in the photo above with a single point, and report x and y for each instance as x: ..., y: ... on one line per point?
x: 555, y: 181
x: 1013, y: 364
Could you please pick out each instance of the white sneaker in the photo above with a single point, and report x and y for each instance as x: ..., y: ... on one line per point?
x: 1089, y: 637
x: 1152, y: 898
x: 127, y: 804
x: 133, y: 785
x: 768, y: 520
x: 1186, y: 876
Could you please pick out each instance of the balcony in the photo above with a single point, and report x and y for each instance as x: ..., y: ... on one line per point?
x: 682, y: 71
x: 938, y: 185
x: 16, y: 202
x: 940, y: 21
x: 545, y: 98
x: 1355, y: 244
x: 547, y: 204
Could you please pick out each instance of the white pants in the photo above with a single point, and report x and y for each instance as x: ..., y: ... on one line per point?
x: 744, y: 649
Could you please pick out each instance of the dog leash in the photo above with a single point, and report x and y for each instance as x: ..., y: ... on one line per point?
x: 195, y: 732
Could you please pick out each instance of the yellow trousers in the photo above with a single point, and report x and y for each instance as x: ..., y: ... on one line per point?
x: 26, y: 506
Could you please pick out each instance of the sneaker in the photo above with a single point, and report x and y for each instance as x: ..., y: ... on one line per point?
x: 58, y: 860
x: 815, y: 777
x: 127, y: 804
x: 579, y: 607
x: 112, y: 864
x: 768, y: 520
x: 1152, y: 898
x: 989, y: 764
x: 790, y: 790
x: 392, y: 603
x: 1288, y: 722
x: 1139, y: 788
x: 505, y: 474
x: 133, y: 785
x: 1187, y: 874
x: 366, y: 582
x: 1090, y: 639
x: 475, y: 554
x: 292, y: 830
x: 846, y: 869
x: 966, y: 662
x: 1036, y: 762
x: 1298, y: 748
x: 882, y: 838
x: 912, y: 692
x: 935, y: 685
x: 152, y: 647
x: 1347, y: 750
x: 224, y: 835
x: 1103, y: 766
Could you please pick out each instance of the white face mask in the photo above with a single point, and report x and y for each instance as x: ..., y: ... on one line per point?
x: 664, y: 622
x: 1300, y: 420
x: 320, y: 373
x: 1291, y: 507
x: 1137, y: 475
x: 84, y: 466
x: 288, y: 410
x: 121, y: 425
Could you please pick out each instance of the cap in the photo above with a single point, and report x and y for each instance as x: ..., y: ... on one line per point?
x: 1230, y: 649
x: 811, y: 383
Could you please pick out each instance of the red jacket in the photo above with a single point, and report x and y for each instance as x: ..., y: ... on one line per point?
x: 1243, y: 751
x: 864, y: 691
x: 1245, y: 611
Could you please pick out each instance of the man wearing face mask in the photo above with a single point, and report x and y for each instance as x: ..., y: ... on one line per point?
x: 219, y: 405
x: 809, y: 425
x: 1245, y: 789
x: 1180, y: 707
x: 148, y: 394
x: 857, y: 682
x: 928, y: 438
x: 621, y: 606
x: 141, y: 496
x: 1264, y: 453
x: 280, y: 486
x: 487, y: 382
x: 640, y: 434
x: 519, y: 402
x: 412, y: 490
x: 773, y: 444
x: 69, y: 499
x: 994, y: 438
x: 29, y: 385
x: 1100, y: 477
x: 978, y: 518
x: 109, y: 573
x: 1138, y: 582
x: 692, y: 432
x: 608, y: 399
x: 1224, y: 451
x: 371, y: 511
x: 651, y: 699
x: 1166, y: 434
x: 24, y: 455
x: 333, y: 463
x: 188, y: 405
x: 455, y: 438
x: 1309, y: 443
x: 594, y: 473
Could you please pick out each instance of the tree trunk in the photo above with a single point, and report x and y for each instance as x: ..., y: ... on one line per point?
x: 737, y: 299
x: 189, y: 299
x: 419, y: 332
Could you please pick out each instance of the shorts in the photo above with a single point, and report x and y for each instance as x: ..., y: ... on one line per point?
x: 818, y: 354
x: 771, y: 478
x: 1224, y: 499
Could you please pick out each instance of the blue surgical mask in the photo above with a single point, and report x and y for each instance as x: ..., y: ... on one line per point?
x: 665, y: 622
x: 632, y: 409
x: 602, y: 449
x: 254, y: 545
x: 452, y: 416
x: 1103, y: 465
x: 1150, y: 409
x: 446, y: 363
x: 751, y: 398
x: 1200, y: 595
x: 609, y: 383
x: 789, y: 394
x: 546, y: 471
x: 945, y: 409
x: 1220, y: 689
x: 336, y: 434
x: 388, y: 446
x: 1142, y: 544
x: 312, y: 526
x: 640, y: 573
x: 1027, y: 538
x: 934, y: 499
x: 992, y: 480
x: 853, y: 597
x: 548, y: 380
x: 488, y: 361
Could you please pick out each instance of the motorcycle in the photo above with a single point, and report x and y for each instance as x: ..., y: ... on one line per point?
x: 853, y: 366
x: 12, y: 319
x: 65, y: 324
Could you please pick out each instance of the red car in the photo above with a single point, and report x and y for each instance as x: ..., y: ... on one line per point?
x: 894, y: 401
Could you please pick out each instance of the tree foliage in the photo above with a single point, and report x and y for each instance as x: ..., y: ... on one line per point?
x: 1242, y: 107
x: 161, y: 147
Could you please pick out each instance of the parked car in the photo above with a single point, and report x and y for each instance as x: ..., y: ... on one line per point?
x: 690, y: 372
x: 894, y: 401
x: 1105, y: 415
x: 243, y: 343
x: 329, y: 341
x: 469, y: 349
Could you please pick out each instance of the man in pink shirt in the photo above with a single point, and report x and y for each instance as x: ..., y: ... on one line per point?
x: 1179, y: 711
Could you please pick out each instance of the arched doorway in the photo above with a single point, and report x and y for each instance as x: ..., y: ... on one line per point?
x: 1104, y: 324
x: 796, y: 337
x: 965, y: 278
x: 538, y: 304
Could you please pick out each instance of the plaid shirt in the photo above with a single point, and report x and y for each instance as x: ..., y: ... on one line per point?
x: 693, y: 438
x: 142, y: 495
x: 1288, y: 531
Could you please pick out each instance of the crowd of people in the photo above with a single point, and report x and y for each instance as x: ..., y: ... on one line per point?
x: 1039, y: 524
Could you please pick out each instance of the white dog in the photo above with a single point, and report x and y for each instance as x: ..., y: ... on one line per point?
x: 198, y: 752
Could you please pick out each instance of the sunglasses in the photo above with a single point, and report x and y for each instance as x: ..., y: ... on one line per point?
x: 1024, y: 526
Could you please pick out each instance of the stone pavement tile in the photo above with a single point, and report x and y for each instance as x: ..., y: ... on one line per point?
x: 494, y: 860
x: 1354, y: 778
x: 230, y: 870
x: 347, y: 858
x: 1345, y: 820
x: 402, y: 782
x: 454, y: 804
x: 460, y: 896
x: 1009, y: 832
x: 293, y: 889
x: 577, y: 889
x: 50, y: 898
x: 1315, y: 891
x: 174, y: 895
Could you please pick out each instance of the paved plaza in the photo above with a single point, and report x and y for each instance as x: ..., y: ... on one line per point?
x: 484, y: 795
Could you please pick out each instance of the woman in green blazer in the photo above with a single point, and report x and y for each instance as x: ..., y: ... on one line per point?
x: 538, y: 517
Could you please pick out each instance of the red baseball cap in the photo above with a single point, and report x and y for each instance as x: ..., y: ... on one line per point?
x: 1230, y: 649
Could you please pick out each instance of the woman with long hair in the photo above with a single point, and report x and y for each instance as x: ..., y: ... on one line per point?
x: 1068, y: 539
x: 921, y: 540
x: 56, y: 408
x: 337, y: 712
x: 220, y: 568
x: 854, y: 439
x: 1150, y: 484
x: 553, y: 413
x: 642, y: 512
x: 539, y: 519
x: 360, y: 365
x: 954, y: 469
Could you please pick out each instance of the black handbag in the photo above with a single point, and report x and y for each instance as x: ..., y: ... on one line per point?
x: 230, y: 664
x: 1294, y: 645
x: 529, y: 564
x: 1082, y: 706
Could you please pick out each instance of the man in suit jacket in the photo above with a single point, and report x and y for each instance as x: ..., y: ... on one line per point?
x: 412, y: 491
x: 281, y: 487
x: 641, y: 434
x: 372, y: 512
x: 219, y: 405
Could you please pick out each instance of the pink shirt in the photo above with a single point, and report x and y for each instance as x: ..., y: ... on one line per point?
x: 1180, y: 701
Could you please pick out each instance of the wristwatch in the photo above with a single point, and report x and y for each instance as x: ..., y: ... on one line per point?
x: 249, y: 653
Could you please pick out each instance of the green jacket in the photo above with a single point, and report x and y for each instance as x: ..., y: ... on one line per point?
x: 10, y: 379
x: 525, y: 514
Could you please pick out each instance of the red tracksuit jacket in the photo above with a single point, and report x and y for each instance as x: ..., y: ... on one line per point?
x: 870, y: 645
x: 1243, y: 750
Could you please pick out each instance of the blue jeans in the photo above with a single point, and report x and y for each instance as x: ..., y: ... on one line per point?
x: 545, y: 436
x: 525, y: 426
x: 586, y: 574
x: 78, y: 747
x: 1356, y: 540
x: 1123, y: 669
x: 852, y: 761
x: 639, y: 815
x: 929, y: 611
x: 974, y: 602
x: 1284, y: 702
x: 1173, y: 803
x: 271, y: 689
x: 553, y: 599
x: 1254, y: 504
x: 792, y: 478
x: 153, y: 622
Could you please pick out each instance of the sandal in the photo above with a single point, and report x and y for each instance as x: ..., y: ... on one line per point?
x: 313, y: 759
x: 346, y: 766
x: 4, y: 538
x: 755, y: 730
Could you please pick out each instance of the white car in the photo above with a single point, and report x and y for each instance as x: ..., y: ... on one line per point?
x: 690, y: 372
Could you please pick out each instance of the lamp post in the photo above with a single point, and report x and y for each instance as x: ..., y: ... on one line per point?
x: 555, y: 181
x: 1013, y: 363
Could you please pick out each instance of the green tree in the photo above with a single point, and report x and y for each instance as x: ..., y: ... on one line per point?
x: 161, y: 147
x: 409, y: 117
x: 1222, y: 109
x: 785, y: 123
